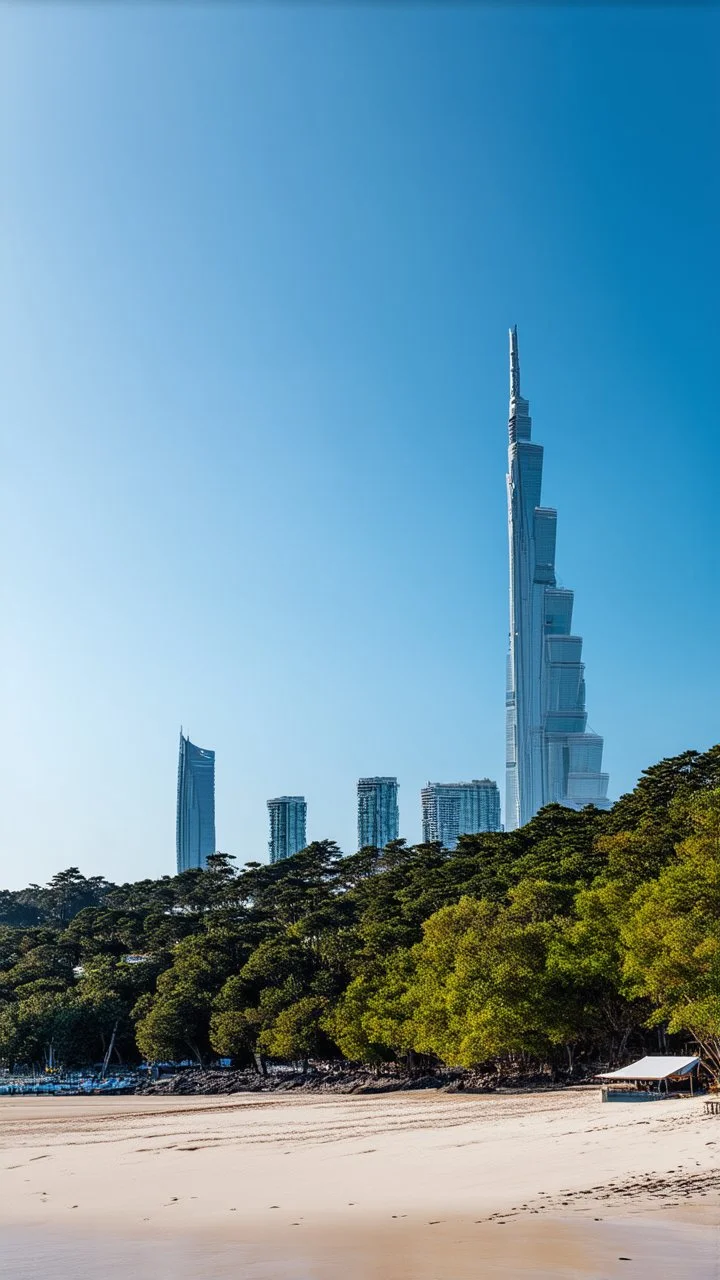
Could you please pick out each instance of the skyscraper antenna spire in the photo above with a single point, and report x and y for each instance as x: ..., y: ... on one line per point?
x: 552, y: 757
x: 514, y: 365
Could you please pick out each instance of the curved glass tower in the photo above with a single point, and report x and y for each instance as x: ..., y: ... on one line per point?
x: 195, y: 834
x: 550, y: 756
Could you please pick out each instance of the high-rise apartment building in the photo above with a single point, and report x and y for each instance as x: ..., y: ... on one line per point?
x: 550, y: 755
x: 452, y: 809
x: 195, y: 823
x: 378, y: 815
x: 288, y: 823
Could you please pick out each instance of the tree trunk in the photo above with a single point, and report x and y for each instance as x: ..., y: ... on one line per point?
x: 622, y: 1045
x: 195, y: 1052
x: 710, y: 1055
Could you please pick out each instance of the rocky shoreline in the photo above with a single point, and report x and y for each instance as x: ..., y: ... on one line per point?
x: 351, y: 1080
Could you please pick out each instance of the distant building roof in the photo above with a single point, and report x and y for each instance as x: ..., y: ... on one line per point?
x: 658, y: 1068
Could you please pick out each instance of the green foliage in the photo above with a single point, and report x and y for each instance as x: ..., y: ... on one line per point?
x: 298, y: 1031
x: 479, y: 990
x: 67, y: 893
x: 373, y: 1019
x: 177, y: 1022
x: 672, y: 935
x: 583, y: 933
x: 234, y: 1033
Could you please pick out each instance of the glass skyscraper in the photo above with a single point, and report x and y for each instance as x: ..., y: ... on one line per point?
x: 288, y: 820
x: 550, y: 755
x: 452, y: 809
x: 378, y: 815
x: 195, y: 827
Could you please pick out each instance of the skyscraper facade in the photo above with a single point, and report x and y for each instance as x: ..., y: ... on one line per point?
x: 195, y: 824
x: 453, y: 809
x: 550, y: 755
x: 288, y: 823
x: 378, y: 814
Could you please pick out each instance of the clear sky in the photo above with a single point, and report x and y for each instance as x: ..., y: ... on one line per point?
x: 258, y: 265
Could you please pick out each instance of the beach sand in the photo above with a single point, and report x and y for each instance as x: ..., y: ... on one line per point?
x: 390, y: 1187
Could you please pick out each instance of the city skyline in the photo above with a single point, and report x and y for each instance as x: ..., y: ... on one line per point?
x: 259, y: 262
x: 195, y: 808
x: 551, y: 757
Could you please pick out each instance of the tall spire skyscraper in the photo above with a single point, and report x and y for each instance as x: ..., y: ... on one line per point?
x: 550, y: 756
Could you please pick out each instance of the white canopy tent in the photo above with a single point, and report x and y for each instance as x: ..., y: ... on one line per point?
x: 647, y: 1079
x: 657, y: 1068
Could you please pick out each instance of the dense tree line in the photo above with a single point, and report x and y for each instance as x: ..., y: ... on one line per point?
x: 578, y: 937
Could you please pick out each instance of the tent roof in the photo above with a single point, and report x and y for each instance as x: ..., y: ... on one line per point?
x: 658, y: 1068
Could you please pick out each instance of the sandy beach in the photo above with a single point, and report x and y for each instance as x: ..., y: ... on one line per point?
x: 392, y: 1187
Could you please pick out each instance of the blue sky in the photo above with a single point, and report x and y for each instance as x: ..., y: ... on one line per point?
x: 258, y: 267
